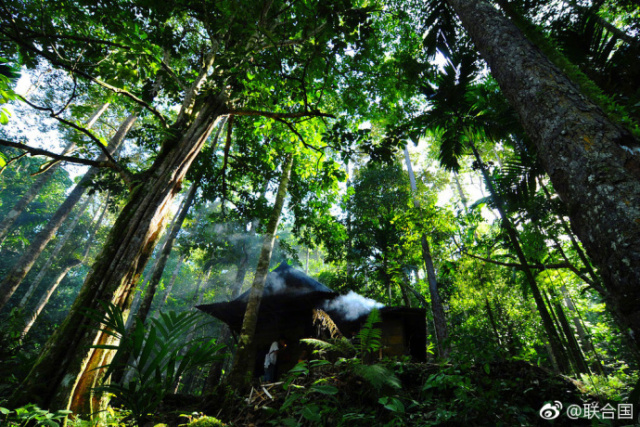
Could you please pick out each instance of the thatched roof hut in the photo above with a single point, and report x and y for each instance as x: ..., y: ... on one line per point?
x: 288, y: 301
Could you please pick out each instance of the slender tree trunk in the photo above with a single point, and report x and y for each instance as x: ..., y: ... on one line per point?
x: 439, y: 317
x: 576, y: 246
x: 68, y: 265
x: 174, y: 278
x: 67, y: 361
x: 574, y: 347
x: 28, y: 259
x: 547, y: 321
x: 215, y: 371
x: 242, y: 369
x: 55, y: 252
x: 580, y: 329
x: 463, y: 197
x: 198, y: 295
x: 586, y: 155
x: 41, y: 181
x: 492, y: 322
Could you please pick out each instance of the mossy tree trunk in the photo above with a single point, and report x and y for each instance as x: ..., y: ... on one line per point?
x: 590, y: 160
x: 65, y: 372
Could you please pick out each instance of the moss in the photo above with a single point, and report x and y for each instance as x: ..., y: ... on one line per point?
x: 207, y: 422
x: 616, y: 112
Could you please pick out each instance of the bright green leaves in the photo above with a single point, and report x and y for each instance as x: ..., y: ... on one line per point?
x: 8, y: 77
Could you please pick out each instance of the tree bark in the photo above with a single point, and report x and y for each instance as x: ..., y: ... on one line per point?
x: 137, y: 299
x: 67, y: 362
x: 242, y: 369
x: 589, y: 158
x: 28, y: 259
x: 41, y: 181
x: 439, y: 317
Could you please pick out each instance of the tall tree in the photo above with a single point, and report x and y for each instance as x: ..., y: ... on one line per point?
x: 439, y: 318
x: 586, y: 155
x: 243, y: 44
x: 242, y: 369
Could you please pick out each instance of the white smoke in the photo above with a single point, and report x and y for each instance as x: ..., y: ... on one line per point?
x: 275, y: 283
x: 352, y: 305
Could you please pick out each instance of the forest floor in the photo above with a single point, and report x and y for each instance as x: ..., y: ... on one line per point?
x: 494, y: 394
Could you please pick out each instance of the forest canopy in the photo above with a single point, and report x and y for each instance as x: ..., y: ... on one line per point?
x: 477, y: 160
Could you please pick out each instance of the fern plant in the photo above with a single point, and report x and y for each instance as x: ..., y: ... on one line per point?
x: 355, y: 353
x: 160, y: 356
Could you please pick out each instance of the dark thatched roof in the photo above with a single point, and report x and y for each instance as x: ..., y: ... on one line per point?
x: 286, y: 290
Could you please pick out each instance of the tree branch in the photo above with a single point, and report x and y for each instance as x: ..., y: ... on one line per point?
x: 272, y: 115
x: 33, y: 151
x: 520, y: 266
x: 87, y: 76
x: 94, y: 138
x: 36, y: 35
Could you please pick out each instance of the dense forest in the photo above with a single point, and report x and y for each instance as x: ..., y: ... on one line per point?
x: 470, y: 165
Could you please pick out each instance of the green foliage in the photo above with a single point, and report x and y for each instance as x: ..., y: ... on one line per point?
x: 206, y: 421
x: 355, y: 354
x: 160, y: 355
x: 32, y: 415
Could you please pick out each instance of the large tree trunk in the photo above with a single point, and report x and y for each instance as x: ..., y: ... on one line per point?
x: 242, y: 369
x: 41, y: 181
x: 589, y: 158
x: 28, y: 259
x: 552, y: 334
x: 137, y: 299
x: 67, y: 266
x: 64, y: 374
x: 439, y: 318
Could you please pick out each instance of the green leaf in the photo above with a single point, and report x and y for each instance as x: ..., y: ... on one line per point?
x: 312, y: 413
x: 325, y: 389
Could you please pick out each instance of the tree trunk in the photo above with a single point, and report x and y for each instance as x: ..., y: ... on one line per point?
x: 55, y: 252
x: 572, y: 343
x: 547, y: 321
x: 151, y: 288
x: 198, y: 295
x: 492, y: 322
x: 215, y: 371
x: 67, y: 361
x: 463, y: 197
x: 41, y: 181
x: 27, y: 260
x: 242, y: 369
x: 439, y: 317
x: 588, y: 157
x: 137, y: 299
x: 68, y: 265
x: 174, y: 278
